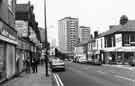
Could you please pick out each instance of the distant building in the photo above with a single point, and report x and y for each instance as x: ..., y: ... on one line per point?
x: 68, y: 34
x: 53, y: 43
x: 84, y: 34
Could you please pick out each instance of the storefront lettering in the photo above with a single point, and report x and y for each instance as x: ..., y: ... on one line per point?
x: 1, y: 26
x: 5, y: 33
x: 119, y: 39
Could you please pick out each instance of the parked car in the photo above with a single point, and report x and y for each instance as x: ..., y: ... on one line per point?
x: 57, y: 64
x: 97, y: 62
x: 82, y: 60
x: 132, y: 61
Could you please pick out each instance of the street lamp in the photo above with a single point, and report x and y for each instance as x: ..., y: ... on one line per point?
x: 46, y: 42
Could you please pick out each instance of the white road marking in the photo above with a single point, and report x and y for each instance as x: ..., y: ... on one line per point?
x: 59, y: 80
x: 101, y: 72
x: 58, y: 84
x: 124, y: 78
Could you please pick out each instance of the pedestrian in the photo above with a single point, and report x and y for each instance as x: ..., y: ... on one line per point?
x: 110, y: 59
x: 46, y: 64
x: 36, y: 65
x: 27, y: 62
x: 33, y: 65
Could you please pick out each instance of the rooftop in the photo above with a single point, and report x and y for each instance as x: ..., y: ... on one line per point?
x: 129, y: 27
x: 68, y: 18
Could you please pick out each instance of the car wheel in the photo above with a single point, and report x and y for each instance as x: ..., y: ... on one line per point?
x: 64, y: 69
x: 53, y: 70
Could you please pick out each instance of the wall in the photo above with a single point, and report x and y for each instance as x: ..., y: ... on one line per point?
x: 3, y: 10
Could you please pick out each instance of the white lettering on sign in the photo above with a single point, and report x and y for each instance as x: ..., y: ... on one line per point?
x: 5, y: 33
x: 12, y: 37
x: 1, y: 26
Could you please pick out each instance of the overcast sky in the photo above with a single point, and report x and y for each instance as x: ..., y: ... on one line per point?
x: 97, y: 14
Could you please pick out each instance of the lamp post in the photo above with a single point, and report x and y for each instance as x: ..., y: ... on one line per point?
x: 46, y: 42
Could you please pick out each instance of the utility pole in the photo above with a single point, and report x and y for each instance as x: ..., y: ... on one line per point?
x: 46, y: 42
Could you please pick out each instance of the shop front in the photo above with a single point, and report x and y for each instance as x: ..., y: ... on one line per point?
x: 8, y: 42
x: 19, y: 56
x: 2, y: 60
x: 119, y: 55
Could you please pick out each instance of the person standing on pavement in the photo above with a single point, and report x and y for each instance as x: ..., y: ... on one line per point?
x: 33, y: 65
x: 36, y: 65
x: 27, y: 62
x: 110, y: 59
x: 46, y: 63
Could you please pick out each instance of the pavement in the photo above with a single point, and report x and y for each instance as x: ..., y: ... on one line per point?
x: 32, y: 79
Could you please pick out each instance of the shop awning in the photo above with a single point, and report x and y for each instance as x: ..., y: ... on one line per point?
x: 94, y: 52
x: 125, y: 49
x: 120, y: 49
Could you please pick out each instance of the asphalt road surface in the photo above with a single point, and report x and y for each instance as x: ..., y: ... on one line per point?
x: 90, y: 75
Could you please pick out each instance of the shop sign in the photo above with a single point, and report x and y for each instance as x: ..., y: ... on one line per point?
x: 22, y: 27
x: 118, y: 38
x: 7, y: 34
x: 1, y: 26
x: 7, y: 31
x: 20, y: 45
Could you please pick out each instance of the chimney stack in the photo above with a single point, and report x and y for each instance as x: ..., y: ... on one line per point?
x: 95, y: 34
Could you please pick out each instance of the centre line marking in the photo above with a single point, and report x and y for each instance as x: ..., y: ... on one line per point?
x: 59, y: 80
x: 124, y: 78
x: 58, y: 84
x: 101, y: 72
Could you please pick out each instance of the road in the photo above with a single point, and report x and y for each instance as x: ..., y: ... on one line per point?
x: 90, y: 75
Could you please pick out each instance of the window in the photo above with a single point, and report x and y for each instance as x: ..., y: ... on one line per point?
x: 132, y: 38
x: 126, y: 39
x: 101, y: 43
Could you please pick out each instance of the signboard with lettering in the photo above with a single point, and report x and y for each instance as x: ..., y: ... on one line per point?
x: 7, y: 31
x: 118, y: 40
x: 1, y: 25
x: 22, y: 27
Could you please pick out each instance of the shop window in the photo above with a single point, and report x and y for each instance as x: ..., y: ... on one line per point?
x: 132, y: 38
x: 126, y: 39
x: 2, y: 61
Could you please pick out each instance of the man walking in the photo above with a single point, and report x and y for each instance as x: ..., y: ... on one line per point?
x: 36, y: 65
x: 33, y: 65
x: 46, y: 63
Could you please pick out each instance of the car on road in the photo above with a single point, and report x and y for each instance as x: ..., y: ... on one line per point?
x: 132, y: 61
x: 82, y: 60
x: 94, y: 61
x: 57, y: 64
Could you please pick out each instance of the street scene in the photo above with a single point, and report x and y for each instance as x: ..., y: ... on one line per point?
x: 67, y: 43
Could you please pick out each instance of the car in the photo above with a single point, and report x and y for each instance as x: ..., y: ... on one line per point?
x: 97, y: 62
x: 57, y: 64
x: 82, y: 60
x: 132, y: 61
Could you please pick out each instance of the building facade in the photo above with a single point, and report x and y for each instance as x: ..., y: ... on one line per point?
x: 28, y: 34
x: 84, y: 34
x: 68, y: 34
x: 117, y: 43
x: 8, y: 39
